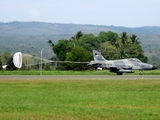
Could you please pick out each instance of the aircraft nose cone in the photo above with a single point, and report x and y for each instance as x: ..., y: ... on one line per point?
x: 154, y: 67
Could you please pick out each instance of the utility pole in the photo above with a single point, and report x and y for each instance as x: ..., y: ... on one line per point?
x: 41, y: 61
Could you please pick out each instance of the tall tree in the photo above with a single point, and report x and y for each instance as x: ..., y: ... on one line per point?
x: 89, y: 42
x: 124, y: 38
x: 77, y: 35
x: 61, y: 49
x: 134, y: 39
x: 5, y: 57
x: 108, y: 50
x: 78, y: 54
x: 112, y: 46
x: 103, y: 36
x: 108, y: 36
x: 124, y: 41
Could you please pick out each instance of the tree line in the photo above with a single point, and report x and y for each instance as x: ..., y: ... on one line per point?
x: 6, y: 58
x: 112, y: 46
x: 79, y: 48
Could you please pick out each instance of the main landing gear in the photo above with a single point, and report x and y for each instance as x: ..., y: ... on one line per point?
x: 119, y: 73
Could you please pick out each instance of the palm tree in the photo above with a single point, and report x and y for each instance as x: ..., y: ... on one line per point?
x: 77, y: 36
x: 134, y: 39
x: 124, y: 38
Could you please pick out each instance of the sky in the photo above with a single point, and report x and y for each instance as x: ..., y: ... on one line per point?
x: 127, y: 13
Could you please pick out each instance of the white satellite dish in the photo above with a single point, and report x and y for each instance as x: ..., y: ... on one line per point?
x: 17, y: 59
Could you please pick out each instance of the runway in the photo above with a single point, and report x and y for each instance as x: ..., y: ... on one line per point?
x: 79, y: 77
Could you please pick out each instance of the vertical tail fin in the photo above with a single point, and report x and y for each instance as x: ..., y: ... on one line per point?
x: 97, y: 56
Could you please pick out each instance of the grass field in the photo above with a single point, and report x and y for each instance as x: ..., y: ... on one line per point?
x: 80, y: 99
x: 88, y: 72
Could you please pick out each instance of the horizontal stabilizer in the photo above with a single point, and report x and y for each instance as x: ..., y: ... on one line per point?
x: 93, y: 63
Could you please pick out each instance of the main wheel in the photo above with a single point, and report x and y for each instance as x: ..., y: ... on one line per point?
x: 119, y: 73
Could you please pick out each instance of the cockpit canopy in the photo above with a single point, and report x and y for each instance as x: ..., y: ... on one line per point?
x: 134, y: 60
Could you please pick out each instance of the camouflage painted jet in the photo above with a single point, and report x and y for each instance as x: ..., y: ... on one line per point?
x: 119, y: 66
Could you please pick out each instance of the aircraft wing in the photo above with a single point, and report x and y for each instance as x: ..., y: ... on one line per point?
x: 121, y: 70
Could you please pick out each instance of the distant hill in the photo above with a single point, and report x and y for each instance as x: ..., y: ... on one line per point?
x: 40, y: 28
x: 31, y: 37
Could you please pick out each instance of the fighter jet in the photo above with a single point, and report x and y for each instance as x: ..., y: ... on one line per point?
x: 119, y: 66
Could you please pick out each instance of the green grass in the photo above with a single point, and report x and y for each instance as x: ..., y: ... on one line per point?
x: 70, y: 72
x: 80, y: 99
x: 55, y: 72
